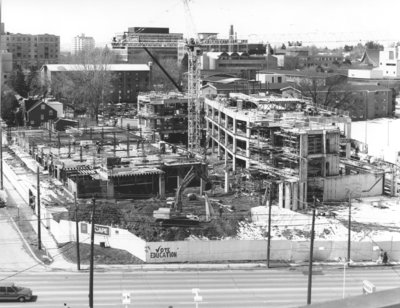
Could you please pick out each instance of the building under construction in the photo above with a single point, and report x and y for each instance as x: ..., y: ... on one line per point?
x: 163, y: 115
x: 109, y: 162
x: 304, y: 150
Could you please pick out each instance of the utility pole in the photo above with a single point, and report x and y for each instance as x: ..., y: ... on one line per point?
x: 78, y: 258
x: 91, y: 255
x: 127, y: 141
x: 349, y: 232
x: 269, y: 222
x: 1, y: 123
x: 115, y: 144
x: 310, y: 262
x: 38, y: 211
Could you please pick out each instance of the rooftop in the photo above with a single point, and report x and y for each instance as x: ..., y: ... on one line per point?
x: 305, y: 73
x: 109, y: 67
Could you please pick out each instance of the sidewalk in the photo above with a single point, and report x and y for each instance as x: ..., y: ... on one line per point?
x: 48, y: 242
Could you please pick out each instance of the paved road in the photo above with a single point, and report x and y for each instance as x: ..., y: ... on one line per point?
x: 13, y: 254
x: 253, y: 288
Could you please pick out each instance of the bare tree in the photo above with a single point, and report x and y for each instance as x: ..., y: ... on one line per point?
x: 90, y: 85
x: 324, y: 90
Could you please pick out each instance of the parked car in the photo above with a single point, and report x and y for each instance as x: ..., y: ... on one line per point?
x: 10, y: 292
x: 2, y: 203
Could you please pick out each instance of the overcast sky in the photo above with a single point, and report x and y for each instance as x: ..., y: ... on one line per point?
x: 334, y: 21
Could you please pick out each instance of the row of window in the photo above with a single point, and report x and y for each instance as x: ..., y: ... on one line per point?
x: 28, y: 50
x: 28, y: 39
x: 46, y: 56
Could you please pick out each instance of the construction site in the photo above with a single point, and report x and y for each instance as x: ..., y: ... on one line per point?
x: 253, y: 151
x: 192, y: 165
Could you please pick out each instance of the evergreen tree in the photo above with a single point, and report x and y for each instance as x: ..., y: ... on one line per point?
x: 9, y: 106
x: 17, y: 82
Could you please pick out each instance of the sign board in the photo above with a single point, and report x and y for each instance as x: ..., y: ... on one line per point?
x: 103, y: 230
x: 197, y: 297
x: 368, y: 287
x: 126, y: 298
x: 86, y: 142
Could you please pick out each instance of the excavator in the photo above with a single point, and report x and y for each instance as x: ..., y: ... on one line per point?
x: 173, y: 216
x: 195, y: 171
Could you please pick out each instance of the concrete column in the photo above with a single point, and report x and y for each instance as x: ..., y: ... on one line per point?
x: 248, y: 149
x: 234, y: 125
x: 110, y: 189
x: 288, y: 195
x: 248, y: 134
x: 247, y: 163
x: 302, y: 195
x: 161, y: 186
x: 212, y: 137
x: 281, y: 201
x: 202, y: 187
x: 234, y: 163
x: 179, y: 179
x: 295, y: 201
x: 248, y: 130
x: 226, y: 181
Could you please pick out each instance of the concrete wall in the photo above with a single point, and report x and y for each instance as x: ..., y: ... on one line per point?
x: 338, y: 187
x: 365, y: 74
x: 65, y: 231
x: 283, y: 250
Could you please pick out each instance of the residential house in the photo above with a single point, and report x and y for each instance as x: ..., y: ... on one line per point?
x: 39, y: 114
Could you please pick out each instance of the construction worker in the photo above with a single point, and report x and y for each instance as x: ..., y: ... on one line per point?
x: 385, y: 258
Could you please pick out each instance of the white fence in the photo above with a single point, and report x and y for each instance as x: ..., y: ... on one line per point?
x: 65, y: 231
x: 256, y: 250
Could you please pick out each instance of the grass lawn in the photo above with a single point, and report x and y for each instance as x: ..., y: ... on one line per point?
x: 31, y: 238
x: 101, y: 255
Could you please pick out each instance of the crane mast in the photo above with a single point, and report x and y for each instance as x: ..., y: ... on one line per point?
x: 194, y: 106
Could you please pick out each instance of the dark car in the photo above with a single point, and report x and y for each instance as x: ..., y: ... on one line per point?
x: 2, y: 204
x: 10, y: 292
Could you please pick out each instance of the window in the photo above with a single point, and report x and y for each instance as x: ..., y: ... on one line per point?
x: 42, y: 106
x: 10, y: 290
x: 50, y: 112
x: 42, y: 117
x: 2, y: 289
x: 84, y: 228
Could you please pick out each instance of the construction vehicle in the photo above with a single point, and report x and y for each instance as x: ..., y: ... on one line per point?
x: 173, y: 215
x: 195, y: 171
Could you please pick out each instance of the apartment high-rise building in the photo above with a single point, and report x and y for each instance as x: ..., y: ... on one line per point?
x: 82, y: 42
x: 31, y: 50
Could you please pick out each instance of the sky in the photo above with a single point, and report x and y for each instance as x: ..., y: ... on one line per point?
x: 322, y: 22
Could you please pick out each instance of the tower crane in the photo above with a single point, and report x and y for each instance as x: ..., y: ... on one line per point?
x: 194, y: 51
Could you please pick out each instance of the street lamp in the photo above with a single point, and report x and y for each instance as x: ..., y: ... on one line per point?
x: 197, y: 297
x: 345, y: 263
x: 310, y: 261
